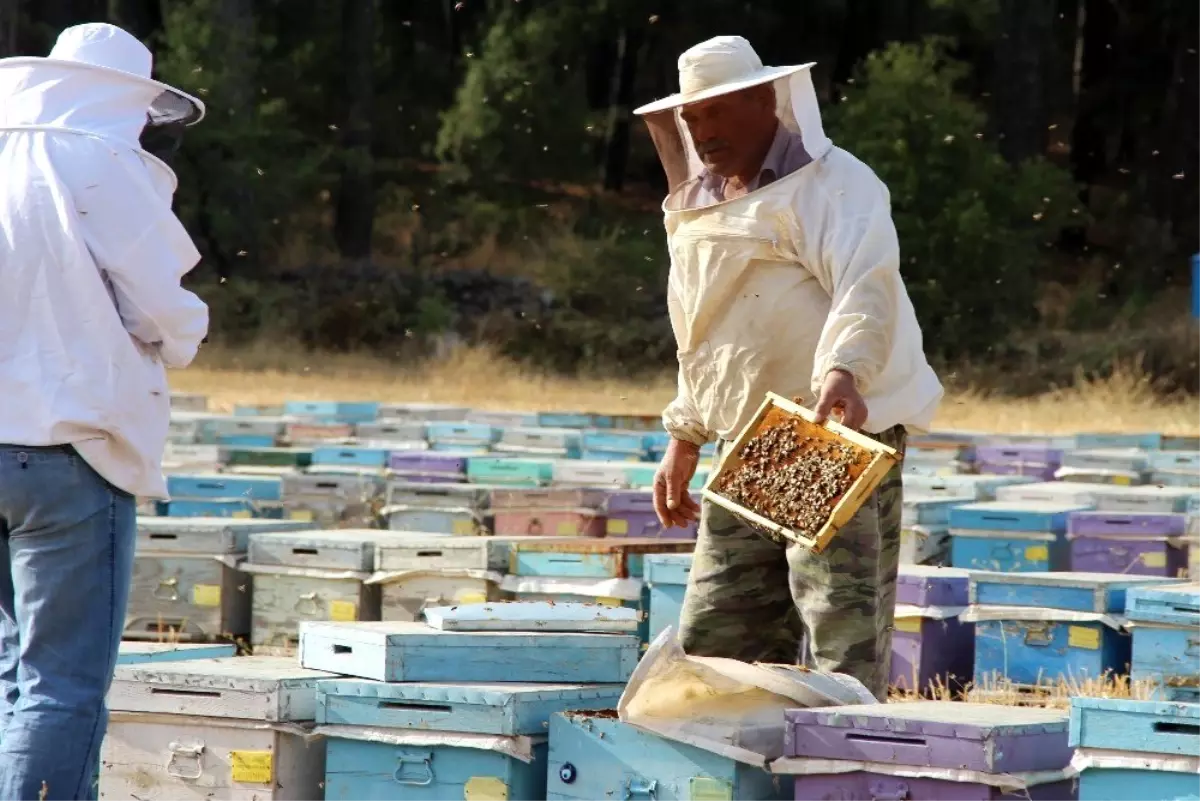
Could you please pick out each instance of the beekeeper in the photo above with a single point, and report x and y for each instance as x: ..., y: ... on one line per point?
x: 785, y: 278
x: 91, y: 311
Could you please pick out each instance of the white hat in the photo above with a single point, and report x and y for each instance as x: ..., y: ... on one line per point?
x: 107, y: 49
x: 719, y: 66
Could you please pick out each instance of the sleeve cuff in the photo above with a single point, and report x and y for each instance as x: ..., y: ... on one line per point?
x: 693, y: 433
x: 855, y: 369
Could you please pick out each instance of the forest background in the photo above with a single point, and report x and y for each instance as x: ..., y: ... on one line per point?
x: 393, y: 177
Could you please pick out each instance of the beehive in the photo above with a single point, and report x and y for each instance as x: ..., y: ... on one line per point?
x: 796, y: 481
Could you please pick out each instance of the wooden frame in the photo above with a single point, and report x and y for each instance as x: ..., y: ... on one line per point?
x: 884, y: 459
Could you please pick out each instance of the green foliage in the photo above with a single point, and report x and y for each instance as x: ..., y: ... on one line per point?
x: 972, y: 229
x: 521, y: 110
x: 244, y: 167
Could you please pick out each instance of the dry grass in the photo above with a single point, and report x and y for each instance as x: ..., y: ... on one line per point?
x: 1056, y: 694
x: 480, y: 379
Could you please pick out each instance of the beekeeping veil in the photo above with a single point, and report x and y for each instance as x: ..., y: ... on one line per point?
x: 721, y: 66
x: 96, y: 82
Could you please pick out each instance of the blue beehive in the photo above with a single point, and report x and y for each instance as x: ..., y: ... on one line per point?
x: 1166, y: 646
x: 461, y: 437
x: 616, y: 446
x: 350, y: 455
x: 506, y: 709
x: 1068, y: 631
x: 599, y: 757
x: 667, y: 578
x: 1010, y: 537
x: 400, y: 651
x: 137, y: 652
x: 509, y: 471
x: 1130, y: 750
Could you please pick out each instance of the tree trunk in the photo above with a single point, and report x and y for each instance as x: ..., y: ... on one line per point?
x: 1089, y: 138
x: 356, y: 195
x: 616, y: 149
x: 1023, y: 55
x: 10, y: 16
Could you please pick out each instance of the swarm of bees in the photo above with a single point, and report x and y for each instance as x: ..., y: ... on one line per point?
x: 790, y: 477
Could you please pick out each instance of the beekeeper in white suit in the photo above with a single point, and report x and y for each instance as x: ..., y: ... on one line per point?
x: 91, y: 311
x: 785, y: 278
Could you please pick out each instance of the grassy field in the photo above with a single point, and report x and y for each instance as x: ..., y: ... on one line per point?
x: 480, y: 379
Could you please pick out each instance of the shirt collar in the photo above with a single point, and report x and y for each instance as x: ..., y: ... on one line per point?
x: 771, y: 168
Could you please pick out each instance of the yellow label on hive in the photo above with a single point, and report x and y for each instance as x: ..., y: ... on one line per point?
x: 912, y: 625
x: 250, y: 767
x: 705, y: 788
x: 463, y: 528
x: 1037, y: 553
x: 1083, y: 637
x: 609, y: 601
x: 206, y: 595
x: 343, y: 611
x: 485, y: 788
x: 616, y: 526
x: 1154, y: 559
x: 567, y: 528
x: 303, y: 515
x: 471, y: 597
x: 241, y: 514
x: 1123, y: 481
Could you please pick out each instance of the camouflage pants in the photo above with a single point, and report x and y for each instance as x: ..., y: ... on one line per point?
x: 752, y: 599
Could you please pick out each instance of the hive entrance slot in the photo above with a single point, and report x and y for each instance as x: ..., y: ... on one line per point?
x: 885, y: 739
x: 188, y: 693
x: 409, y: 706
x: 1190, y: 729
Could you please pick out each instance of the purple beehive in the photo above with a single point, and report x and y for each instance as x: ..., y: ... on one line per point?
x: 631, y: 514
x: 925, y: 585
x: 929, y: 650
x: 1030, y: 459
x: 428, y: 467
x: 981, y: 738
x: 1134, y: 543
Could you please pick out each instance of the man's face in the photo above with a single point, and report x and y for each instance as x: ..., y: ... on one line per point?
x: 727, y: 131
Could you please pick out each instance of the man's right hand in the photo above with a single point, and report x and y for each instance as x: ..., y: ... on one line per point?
x: 672, y: 502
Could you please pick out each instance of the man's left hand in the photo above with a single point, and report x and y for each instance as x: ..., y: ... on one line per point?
x: 840, y: 394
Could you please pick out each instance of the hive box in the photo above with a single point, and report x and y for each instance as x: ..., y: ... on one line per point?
x: 509, y: 709
x: 630, y: 513
x: 667, y: 578
x: 927, y: 750
x: 212, y: 728
x: 415, y: 572
x: 1133, y: 750
x: 931, y: 648
x: 1012, y: 537
x: 1137, y: 543
x: 1165, y: 621
x: 596, y: 756
x: 400, y: 651
x: 186, y: 582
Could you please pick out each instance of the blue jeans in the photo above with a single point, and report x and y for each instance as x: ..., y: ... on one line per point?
x: 66, y: 539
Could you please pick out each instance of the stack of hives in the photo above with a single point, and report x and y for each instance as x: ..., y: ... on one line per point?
x: 461, y: 708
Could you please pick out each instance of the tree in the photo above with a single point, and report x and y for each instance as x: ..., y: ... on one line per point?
x: 355, y: 214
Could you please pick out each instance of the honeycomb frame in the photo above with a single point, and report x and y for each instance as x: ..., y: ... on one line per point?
x: 876, y: 460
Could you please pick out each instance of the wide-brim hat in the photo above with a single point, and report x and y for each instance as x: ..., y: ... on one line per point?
x: 106, y: 49
x: 722, y: 65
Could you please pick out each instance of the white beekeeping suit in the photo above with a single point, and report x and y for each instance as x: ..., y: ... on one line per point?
x: 771, y: 290
x: 91, y: 256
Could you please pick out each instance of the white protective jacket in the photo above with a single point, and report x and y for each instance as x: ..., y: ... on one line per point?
x: 772, y: 290
x: 91, y: 258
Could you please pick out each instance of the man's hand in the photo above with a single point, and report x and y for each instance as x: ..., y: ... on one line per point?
x: 840, y: 394
x: 672, y: 502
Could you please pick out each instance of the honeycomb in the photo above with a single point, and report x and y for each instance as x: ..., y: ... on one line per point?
x: 793, y: 472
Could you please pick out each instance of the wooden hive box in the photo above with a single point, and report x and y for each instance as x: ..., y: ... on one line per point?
x: 874, y: 460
